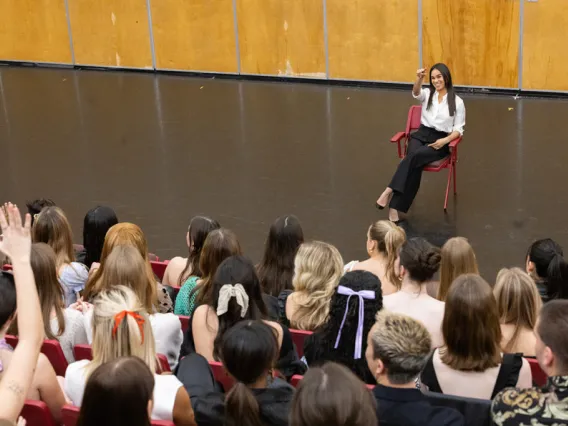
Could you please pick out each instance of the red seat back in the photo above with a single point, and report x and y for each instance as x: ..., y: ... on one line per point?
x: 6, y: 267
x: 52, y: 350
x: 539, y: 376
x: 71, y: 416
x: 298, y: 336
x: 413, y: 121
x: 159, y: 268
x: 184, y: 322
x: 221, y: 375
x: 82, y: 352
x: 36, y: 413
x: 163, y: 364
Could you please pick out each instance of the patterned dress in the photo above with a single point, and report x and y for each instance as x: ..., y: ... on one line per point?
x: 184, y: 304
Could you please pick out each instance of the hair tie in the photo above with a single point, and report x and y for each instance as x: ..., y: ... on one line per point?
x: 362, y: 295
x: 229, y: 291
x: 118, y: 318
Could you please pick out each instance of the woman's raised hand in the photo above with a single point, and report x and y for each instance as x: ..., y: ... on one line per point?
x: 421, y: 73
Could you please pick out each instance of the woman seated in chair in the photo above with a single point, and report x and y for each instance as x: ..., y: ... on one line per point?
x: 442, y: 121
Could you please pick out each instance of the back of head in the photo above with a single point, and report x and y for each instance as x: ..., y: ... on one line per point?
x: 95, y: 226
x: 389, y: 239
x: 332, y: 396
x: 471, y: 326
x: 277, y: 266
x: 198, y: 230
x: 234, y: 271
x: 550, y: 265
x: 318, y: 268
x: 249, y: 351
x: 7, y: 298
x: 36, y: 206
x: 402, y: 344
x: 552, y: 329
x: 52, y: 227
x: 420, y: 259
x: 458, y: 258
x: 121, y: 327
x: 117, y: 394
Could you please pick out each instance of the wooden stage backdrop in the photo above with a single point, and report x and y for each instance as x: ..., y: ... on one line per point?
x: 517, y: 44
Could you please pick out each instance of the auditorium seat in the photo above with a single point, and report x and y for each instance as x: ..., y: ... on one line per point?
x: 71, y: 415
x: 159, y: 268
x: 539, y: 377
x: 221, y: 375
x: 298, y: 336
x: 184, y: 320
x: 52, y: 350
x: 36, y: 413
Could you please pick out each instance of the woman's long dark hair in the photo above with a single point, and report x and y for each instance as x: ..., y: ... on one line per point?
x: 199, y: 228
x: 248, y: 351
x: 276, y: 269
x: 445, y: 71
x: 548, y: 258
x: 95, y: 226
x: 236, y: 270
x: 117, y: 394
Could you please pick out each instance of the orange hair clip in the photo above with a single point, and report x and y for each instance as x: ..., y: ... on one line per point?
x: 118, y: 318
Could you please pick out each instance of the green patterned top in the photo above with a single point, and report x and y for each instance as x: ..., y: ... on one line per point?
x: 185, y: 305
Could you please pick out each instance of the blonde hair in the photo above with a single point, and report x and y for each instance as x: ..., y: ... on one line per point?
x: 52, y: 228
x: 128, y: 341
x: 389, y: 238
x: 458, y: 258
x: 518, y: 302
x: 318, y: 266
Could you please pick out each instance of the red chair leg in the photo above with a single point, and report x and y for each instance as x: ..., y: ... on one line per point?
x: 455, y: 180
x: 448, y: 188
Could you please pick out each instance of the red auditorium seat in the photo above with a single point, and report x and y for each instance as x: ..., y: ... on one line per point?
x: 36, y: 413
x: 71, y: 415
x: 221, y: 375
x: 539, y: 377
x: 298, y: 336
x: 159, y: 268
x: 52, y: 350
x: 184, y: 322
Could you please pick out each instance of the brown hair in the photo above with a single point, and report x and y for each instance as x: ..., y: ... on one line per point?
x: 49, y: 289
x: 332, y: 395
x: 552, y: 329
x: 389, y: 238
x: 123, y: 234
x: 52, y: 227
x: 198, y: 229
x: 518, y: 302
x: 458, y: 258
x: 219, y: 245
x: 420, y: 259
x: 471, y: 326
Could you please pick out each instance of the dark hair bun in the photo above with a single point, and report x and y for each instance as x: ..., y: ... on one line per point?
x: 420, y: 258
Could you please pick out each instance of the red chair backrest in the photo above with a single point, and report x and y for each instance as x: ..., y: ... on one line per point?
x: 12, y: 340
x: 71, y: 415
x: 184, y: 322
x: 413, y: 121
x: 159, y: 268
x: 539, y: 377
x: 82, y: 352
x: 221, y: 375
x: 6, y: 267
x: 298, y: 336
x: 36, y: 413
x: 52, y: 350
x: 163, y: 364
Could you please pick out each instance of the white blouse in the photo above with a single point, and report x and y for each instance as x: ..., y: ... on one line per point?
x: 438, y: 116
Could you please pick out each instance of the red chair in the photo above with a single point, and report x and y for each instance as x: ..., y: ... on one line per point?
x: 184, y: 322
x: 153, y: 258
x: 85, y: 352
x: 159, y: 268
x: 71, y: 416
x: 6, y: 267
x: 402, y: 138
x: 539, y: 377
x: 221, y: 375
x: 163, y: 364
x: 52, y: 350
x: 36, y: 413
x: 298, y: 336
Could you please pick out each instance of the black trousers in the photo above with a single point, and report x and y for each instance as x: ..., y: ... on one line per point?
x: 406, y: 180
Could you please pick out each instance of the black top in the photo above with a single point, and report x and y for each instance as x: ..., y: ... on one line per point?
x: 409, y: 407
x: 282, y: 298
x: 271, y: 303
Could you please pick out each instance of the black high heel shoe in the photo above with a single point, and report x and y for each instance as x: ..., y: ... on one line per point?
x: 378, y: 206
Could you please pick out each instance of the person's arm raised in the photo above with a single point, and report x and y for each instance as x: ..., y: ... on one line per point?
x: 16, y: 380
x: 417, y: 88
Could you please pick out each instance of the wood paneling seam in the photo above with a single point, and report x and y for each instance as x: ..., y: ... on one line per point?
x: 68, y: 16
x: 151, y: 29
x: 237, y: 47
x: 325, y: 42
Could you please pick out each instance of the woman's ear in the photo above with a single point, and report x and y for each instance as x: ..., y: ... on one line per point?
x: 530, y: 266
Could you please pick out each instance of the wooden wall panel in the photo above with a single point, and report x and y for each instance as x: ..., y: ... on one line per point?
x: 281, y: 37
x: 111, y: 33
x: 477, y: 39
x: 34, y: 30
x: 373, y: 40
x: 545, y: 40
x: 197, y: 35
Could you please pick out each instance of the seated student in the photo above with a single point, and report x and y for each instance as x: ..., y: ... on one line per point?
x: 343, y: 338
x: 332, y: 396
x: 248, y: 352
x: 96, y: 224
x: 121, y: 327
x: 546, y: 265
x: 549, y: 405
x: 471, y: 363
x: 36, y: 206
x: 118, y: 393
x: 397, y: 350
x: 417, y: 263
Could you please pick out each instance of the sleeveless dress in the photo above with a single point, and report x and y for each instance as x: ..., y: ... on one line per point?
x: 185, y: 305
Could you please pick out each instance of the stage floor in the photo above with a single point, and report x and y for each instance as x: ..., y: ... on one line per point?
x: 161, y: 149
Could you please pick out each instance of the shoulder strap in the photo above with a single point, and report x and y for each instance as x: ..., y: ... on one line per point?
x: 508, y: 373
x: 428, y: 376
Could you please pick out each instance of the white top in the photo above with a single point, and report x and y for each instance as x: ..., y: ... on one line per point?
x: 74, y: 334
x: 73, y: 278
x: 165, y: 390
x: 421, y: 307
x: 438, y: 116
x: 167, y: 334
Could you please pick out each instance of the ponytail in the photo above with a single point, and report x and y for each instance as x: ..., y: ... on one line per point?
x: 557, y: 278
x: 241, y: 407
x: 394, y: 238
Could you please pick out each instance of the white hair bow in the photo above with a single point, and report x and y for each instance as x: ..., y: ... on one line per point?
x: 229, y: 291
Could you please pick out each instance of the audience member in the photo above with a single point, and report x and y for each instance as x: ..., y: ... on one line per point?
x: 219, y: 244
x: 343, y: 338
x: 518, y: 304
x: 384, y: 240
x: 118, y: 393
x: 276, y: 268
x: 121, y: 327
x: 248, y: 352
x: 36, y: 206
x: 318, y: 268
x: 549, y: 405
x: 180, y: 269
x: 547, y: 266
x: 332, y: 396
x: 95, y: 226
x: 397, y: 349
x: 418, y: 262
x: 51, y: 227
x: 472, y: 354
